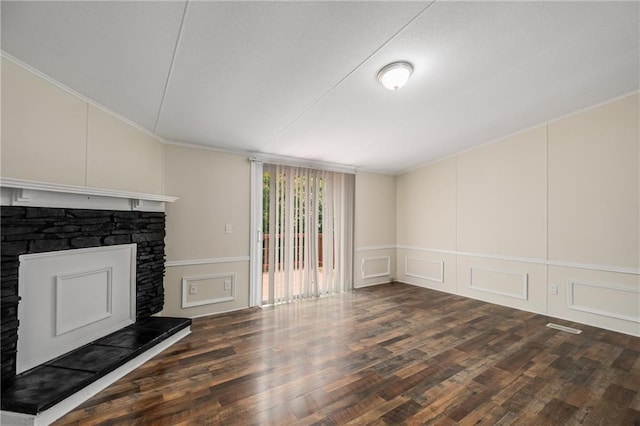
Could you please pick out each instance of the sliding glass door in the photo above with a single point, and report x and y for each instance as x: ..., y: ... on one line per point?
x: 306, y: 244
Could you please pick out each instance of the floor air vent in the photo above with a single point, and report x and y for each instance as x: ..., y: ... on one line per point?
x: 563, y: 328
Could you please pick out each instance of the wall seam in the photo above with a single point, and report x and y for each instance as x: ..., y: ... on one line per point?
x: 86, y: 146
x: 547, y: 219
x: 455, y: 229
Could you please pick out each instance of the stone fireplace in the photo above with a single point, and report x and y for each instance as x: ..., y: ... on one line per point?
x: 32, y: 230
x: 82, y: 276
x: 42, y: 223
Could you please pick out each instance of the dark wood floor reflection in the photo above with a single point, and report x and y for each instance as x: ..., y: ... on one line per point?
x: 392, y: 354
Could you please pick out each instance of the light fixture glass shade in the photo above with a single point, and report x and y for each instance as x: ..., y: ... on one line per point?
x: 395, y: 75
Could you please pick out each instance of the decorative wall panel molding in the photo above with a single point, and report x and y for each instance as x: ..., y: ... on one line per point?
x: 599, y: 298
x: 380, y: 264
x: 412, y: 269
x: 208, y: 280
x: 497, y: 282
x: 93, y: 288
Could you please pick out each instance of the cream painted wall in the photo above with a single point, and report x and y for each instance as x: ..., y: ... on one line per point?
x: 213, y: 190
x: 501, y: 197
x: 135, y: 157
x: 51, y: 135
x: 44, y: 129
x: 375, y: 210
x: 433, y: 221
x: 594, y: 181
x: 375, y: 229
x: 547, y: 220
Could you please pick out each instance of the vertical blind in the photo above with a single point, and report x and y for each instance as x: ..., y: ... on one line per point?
x: 308, y: 232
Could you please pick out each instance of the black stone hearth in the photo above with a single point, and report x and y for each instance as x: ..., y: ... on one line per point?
x: 26, y: 230
x: 42, y: 387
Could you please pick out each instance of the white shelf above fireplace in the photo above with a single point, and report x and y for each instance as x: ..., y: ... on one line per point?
x: 20, y: 192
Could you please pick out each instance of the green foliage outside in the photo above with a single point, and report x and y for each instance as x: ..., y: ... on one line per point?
x: 299, y: 219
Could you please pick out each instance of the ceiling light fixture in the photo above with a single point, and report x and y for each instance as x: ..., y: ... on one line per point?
x: 395, y: 75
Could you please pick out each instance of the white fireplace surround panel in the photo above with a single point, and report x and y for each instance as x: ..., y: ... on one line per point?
x: 72, y: 297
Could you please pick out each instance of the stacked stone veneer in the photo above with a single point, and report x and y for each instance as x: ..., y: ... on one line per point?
x: 35, y: 230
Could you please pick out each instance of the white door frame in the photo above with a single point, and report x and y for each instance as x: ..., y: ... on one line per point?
x: 255, y: 262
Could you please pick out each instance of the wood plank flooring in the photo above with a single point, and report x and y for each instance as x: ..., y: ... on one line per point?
x: 390, y: 354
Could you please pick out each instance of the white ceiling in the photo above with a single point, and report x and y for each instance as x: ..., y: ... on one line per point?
x: 299, y: 78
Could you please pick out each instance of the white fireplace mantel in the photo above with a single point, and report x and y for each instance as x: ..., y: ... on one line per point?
x: 20, y: 192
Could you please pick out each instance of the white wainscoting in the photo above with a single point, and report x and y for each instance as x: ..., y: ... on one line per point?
x: 499, y: 282
x: 412, y: 269
x: 211, y: 281
x: 589, y: 297
x: 605, y: 296
x: 212, y: 300
x: 374, y: 267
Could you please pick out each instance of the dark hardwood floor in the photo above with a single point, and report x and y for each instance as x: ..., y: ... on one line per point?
x: 391, y: 354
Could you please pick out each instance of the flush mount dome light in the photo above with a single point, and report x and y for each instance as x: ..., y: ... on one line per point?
x: 395, y: 75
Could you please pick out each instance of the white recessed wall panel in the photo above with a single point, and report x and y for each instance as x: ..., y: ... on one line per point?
x: 43, y: 129
x: 211, y: 296
x: 431, y: 270
x: 374, y: 266
x: 501, y: 197
x: 604, y: 299
x: 594, y: 186
x: 428, y: 269
x: 503, y: 282
x: 208, y: 289
x: 521, y: 285
x: 122, y: 157
x: 427, y: 206
x: 93, y: 288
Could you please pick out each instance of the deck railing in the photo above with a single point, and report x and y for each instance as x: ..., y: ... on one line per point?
x: 298, y: 250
